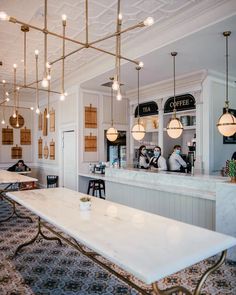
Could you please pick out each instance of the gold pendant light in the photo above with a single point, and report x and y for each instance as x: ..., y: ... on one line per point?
x: 227, y: 122
x: 174, y: 127
x: 138, y: 131
x: 112, y: 132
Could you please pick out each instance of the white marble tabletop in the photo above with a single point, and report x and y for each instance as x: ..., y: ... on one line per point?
x: 7, y: 177
x: 147, y: 245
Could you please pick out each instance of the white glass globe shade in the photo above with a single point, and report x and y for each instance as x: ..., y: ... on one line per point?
x: 174, y: 128
x: 112, y: 134
x: 44, y: 83
x: 37, y: 111
x: 138, y: 132
x: 227, y: 124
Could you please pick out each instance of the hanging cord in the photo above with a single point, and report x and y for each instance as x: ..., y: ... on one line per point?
x: 111, y: 107
x: 174, y: 55
x: 138, y: 69
x: 227, y: 34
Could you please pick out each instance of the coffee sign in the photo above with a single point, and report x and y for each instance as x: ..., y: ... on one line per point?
x: 146, y: 109
x: 182, y: 103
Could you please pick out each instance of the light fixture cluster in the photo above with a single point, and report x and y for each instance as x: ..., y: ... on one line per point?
x: 47, y: 66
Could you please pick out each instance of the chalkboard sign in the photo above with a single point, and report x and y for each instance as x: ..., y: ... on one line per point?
x: 183, y: 103
x: 146, y: 109
x: 230, y: 139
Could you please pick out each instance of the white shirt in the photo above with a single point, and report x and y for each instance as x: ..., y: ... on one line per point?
x: 176, y: 161
x: 161, y: 163
x: 142, y: 161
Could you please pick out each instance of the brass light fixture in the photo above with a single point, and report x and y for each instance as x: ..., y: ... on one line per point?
x: 82, y: 45
x: 174, y: 127
x: 227, y: 122
x: 138, y: 131
x: 112, y: 132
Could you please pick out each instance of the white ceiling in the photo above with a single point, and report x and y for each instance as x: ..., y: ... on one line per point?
x: 201, y: 50
x: 102, y: 14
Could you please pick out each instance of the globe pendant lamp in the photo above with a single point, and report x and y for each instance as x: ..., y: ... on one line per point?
x: 138, y: 131
x: 174, y: 127
x: 227, y: 122
x: 112, y: 132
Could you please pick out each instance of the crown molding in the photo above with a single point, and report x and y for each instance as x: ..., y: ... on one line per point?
x: 185, y: 83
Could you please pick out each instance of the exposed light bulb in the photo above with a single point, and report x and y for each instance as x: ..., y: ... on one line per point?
x: 64, y: 17
x: 32, y: 108
x: 7, y: 99
x: 66, y: 94
x: 3, y: 81
x: 149, y: 21
x: 119, y: 96
x: 49, y: 77
x: 115, y: 85
x: 17, y: 124
x: 36, y: 52
x: 120, y: 16
x: 3, y: 122
x: 62, y: 96
x: 4, y: 16
x: 47, y: 116
x: 48, y: 66
x: 141, y: 64
x: 7, y: 93
x: 14, y: 115
x: 37, y: 110
x: 14, y: 66
x: 17, y: 88
x: 44, y: 83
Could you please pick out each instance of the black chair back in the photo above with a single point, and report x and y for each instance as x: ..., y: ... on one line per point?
x: 52, y: 181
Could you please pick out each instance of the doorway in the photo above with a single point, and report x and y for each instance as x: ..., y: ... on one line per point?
x: 69, y: 160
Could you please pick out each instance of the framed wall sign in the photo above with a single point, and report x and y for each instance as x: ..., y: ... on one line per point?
x: 230, y: 139
x: 183, y: 103
x: 146, y: 109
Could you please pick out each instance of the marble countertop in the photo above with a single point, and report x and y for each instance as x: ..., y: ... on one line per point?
x: 149, y: 246
x: 199, y: 186
x: 7, y: 177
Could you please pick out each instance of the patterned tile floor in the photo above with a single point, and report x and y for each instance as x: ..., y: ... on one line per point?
x: 45, y: 268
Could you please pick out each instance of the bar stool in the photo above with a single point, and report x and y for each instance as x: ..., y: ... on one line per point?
x: 97, y: 186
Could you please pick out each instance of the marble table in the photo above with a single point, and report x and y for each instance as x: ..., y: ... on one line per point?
x: 13, y: 181
x: 146, y: 245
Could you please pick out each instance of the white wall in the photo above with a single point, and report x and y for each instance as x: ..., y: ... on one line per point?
x: 221, y: 152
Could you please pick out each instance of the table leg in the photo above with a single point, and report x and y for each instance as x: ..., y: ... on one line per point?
x: 39, y: 232
x: 14, y: 212
x: 181, y: 290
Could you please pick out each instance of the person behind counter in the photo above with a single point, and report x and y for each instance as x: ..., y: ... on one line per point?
x: 157, y: 161
x: 176, y: 162
x: 19, y: 167
x: 143, y: 159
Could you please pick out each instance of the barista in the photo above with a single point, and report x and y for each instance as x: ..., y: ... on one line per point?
x: 143, y: 159
x: 176, y: 162
x: 157, y: 161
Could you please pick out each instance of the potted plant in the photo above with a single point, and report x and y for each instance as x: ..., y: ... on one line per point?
x: 85, y: 203
x: 231, y: 170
